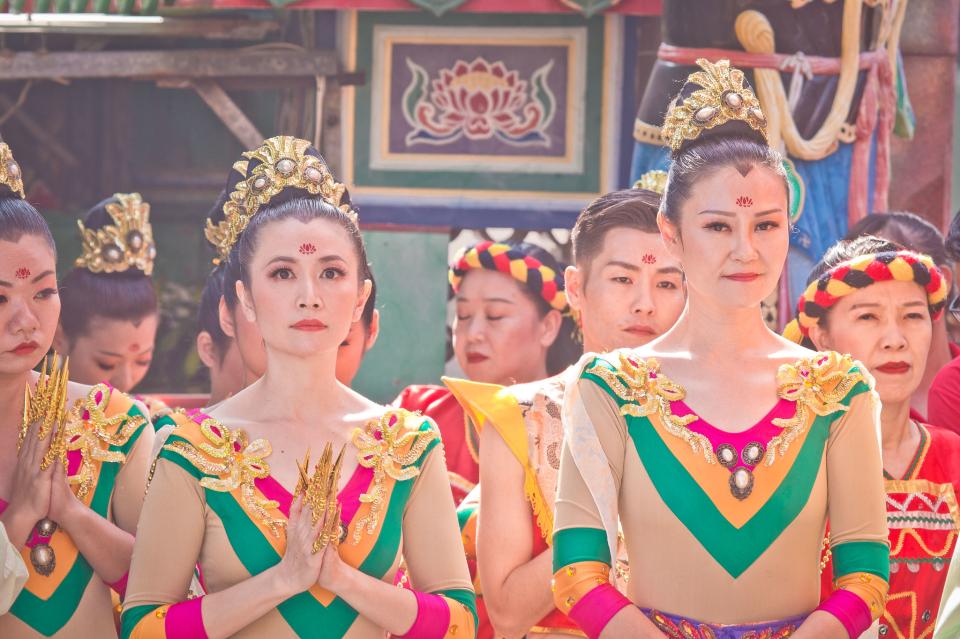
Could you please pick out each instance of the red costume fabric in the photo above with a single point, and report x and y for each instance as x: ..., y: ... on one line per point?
x: 943, y: 398
x: 460, y: 438
x: 924, y: 521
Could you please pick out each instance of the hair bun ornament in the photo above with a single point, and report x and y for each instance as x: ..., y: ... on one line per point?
x: 655, y: 180
x: 125, y: 244
x: 710, y: 98
x: 280, y: 163
x: 10, y: 174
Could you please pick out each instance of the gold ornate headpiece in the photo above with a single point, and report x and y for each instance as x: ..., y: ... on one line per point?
x: 10, y: 173
x: 655, y: 180
x: 125, y: 244
x: 723, y: 96
x: 279, y: 163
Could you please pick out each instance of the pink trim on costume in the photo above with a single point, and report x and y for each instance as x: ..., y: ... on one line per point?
x: 120, y: 586
x: 762, y: 431
x: 185, y: 619
x: 74, y: 459
x: 596, y: 608
x: 433, y: 618
x: 852, y: 611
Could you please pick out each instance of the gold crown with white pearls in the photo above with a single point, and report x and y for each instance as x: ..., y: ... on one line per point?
x: 10, y: 173
x: 724, y: 96
x: 283, y: 163
x: 125, y: 244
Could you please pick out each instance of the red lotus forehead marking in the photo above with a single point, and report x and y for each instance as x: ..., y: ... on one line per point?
x: 22, y: 273
x: 134, y: 348
x: 307, y: 249
x: 649, y: 258
x: 744, y: 201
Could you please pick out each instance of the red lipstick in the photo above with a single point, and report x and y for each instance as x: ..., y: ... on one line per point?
x: 742, y: 277
x: 309, y: 325
x: 476, y: 358
x: 24, y: 349
x: 894, y: 368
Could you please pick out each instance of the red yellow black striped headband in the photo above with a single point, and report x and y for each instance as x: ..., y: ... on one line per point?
x: 539, y: 278
x: 860, y: 272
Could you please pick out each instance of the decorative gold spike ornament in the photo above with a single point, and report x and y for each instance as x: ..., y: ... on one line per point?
x: 10, y: 173
x: 125, y: 244
x: 46, y: 405
x: 723, y: 96
x: 320, y: 493
x: 283, y: 162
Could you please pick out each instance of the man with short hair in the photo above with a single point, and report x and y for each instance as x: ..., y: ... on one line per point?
x: 626, y: 290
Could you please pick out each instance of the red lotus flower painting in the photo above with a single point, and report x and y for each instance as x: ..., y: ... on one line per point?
x: 479, y: 100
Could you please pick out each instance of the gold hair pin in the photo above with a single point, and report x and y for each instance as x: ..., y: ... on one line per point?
x: 320, y: 493
x: 46, y: 405
x: 655, y: 180
x: 723, y: 96
x: 10, y: 173
x: 283, y: 163
x: 125, y: 244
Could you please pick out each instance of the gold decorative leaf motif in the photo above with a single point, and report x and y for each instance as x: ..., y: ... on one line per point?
x: 91, y: 432
x: 818, y: 385
x: 388, y: 447
x: 647, y: 392
x: 235, y: 463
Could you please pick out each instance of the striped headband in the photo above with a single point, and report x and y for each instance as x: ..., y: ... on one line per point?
x: 539, y: 278
x: 860, y: 272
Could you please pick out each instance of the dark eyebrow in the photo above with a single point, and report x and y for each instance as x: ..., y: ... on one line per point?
x: 112, y: 354
x: 625, y: 265
x: 289, y: 260
x: 729, y: 214
x: 670, y: 269
x: 502, y: 300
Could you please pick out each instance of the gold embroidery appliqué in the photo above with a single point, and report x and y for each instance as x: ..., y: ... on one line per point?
x: 91, y: 432
x: 817, y: 384
x: 235, y: 463
x: 380, y: 446
x: 646, y: 392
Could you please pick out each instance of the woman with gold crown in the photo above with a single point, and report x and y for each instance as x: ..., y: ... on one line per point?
x: 721, y: 447
x: 290, y: 546
x: 108, y: 323
x: 73, y: 477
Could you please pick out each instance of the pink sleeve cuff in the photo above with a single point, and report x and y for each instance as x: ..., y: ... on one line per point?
x: 596, y: 608
x: 433, y: 618
x: 185, y: 619
x: 850, y: 610
x: 120, y: 586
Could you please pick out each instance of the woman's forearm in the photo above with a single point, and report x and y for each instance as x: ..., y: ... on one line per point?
x: 523, y: 598
x: 106, y: 547
x: 227, y: 612
x: 391, y: 608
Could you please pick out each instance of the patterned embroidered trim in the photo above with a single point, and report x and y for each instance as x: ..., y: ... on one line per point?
x: 380, y: 446
x: 646, y: 391
x: 91, y: 432
x: 235, y: 463
x: 817, y: 384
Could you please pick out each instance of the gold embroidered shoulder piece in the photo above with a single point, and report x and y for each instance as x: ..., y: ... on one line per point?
x: 233, y: 461
x: 390, y: 447
x: 646, y: 392
x: 91, y: 432
x: 817, y: 384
